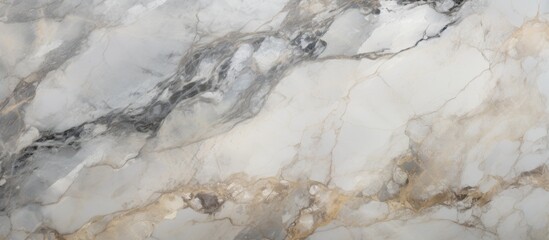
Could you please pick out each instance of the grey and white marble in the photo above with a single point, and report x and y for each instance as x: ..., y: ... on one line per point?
x: 274, y: 119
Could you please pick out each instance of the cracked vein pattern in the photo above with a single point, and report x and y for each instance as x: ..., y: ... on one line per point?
x: 274, y: 119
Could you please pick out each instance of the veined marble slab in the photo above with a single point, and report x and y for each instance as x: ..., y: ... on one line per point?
x: 274, y: 119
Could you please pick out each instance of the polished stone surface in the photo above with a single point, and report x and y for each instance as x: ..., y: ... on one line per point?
x: 274, y: 119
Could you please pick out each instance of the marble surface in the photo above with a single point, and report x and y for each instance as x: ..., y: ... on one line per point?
x: 274, y: 119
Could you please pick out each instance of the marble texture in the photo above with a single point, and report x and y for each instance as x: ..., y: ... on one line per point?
x: 274, y: 119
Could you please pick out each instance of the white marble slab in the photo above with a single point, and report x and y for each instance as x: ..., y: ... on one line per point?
x: 274, y: 119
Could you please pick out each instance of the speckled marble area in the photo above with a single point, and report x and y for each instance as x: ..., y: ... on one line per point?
x: 274, y: 119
